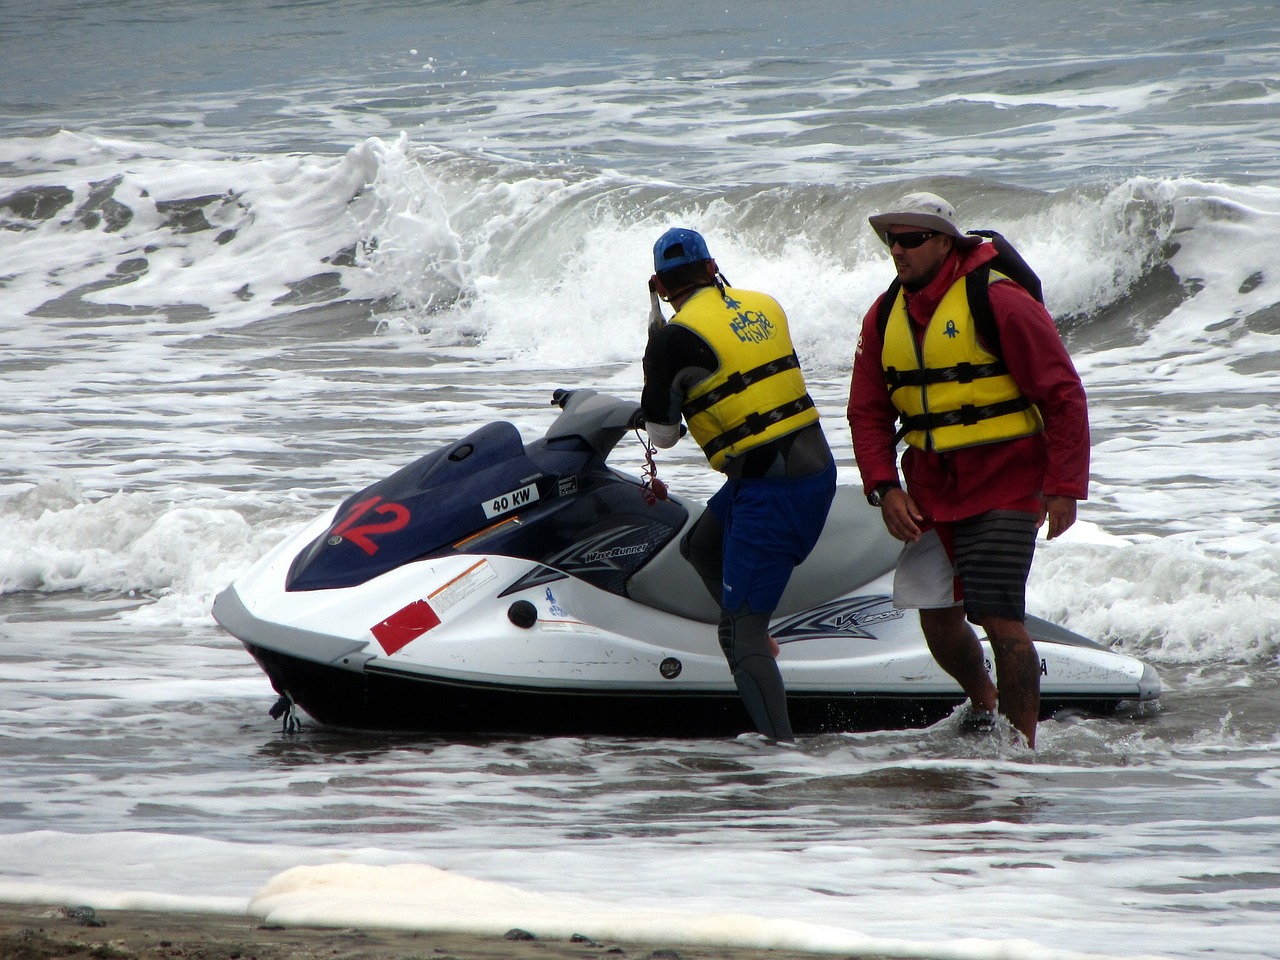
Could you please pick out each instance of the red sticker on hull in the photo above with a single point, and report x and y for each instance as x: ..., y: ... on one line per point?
x: 405, y: 625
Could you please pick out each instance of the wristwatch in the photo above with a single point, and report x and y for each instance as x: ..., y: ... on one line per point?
x: 876, y: 496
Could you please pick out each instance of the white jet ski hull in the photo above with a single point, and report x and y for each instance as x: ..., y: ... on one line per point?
x: 493, y: 588
x: 432, y: 647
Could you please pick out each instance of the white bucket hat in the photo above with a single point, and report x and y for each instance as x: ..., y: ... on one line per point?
x: 928, y: 211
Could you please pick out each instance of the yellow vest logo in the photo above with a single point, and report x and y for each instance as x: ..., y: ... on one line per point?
x: 751, y: 326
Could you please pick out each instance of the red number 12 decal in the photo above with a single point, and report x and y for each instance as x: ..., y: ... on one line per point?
x: 398, y: 513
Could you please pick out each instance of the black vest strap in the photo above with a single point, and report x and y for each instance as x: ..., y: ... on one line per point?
x: 757, y: 423
x: 966, y: 415
x: 962, y: 372
x: 738, y: 382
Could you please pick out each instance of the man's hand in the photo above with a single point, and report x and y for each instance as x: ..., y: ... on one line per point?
x: 901, y: 516
x: 656, y: 320
x: 663, y: 435
x: 1061, y: 513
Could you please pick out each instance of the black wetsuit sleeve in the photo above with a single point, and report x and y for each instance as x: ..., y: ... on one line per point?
x: 672, y: 353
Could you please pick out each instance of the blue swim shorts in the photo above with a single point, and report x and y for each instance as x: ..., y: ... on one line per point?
x: 770, y: 525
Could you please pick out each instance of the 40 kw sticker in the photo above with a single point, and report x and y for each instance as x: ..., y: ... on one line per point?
x: 505, y: 503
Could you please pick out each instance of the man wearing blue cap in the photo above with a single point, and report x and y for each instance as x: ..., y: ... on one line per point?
x: 725, y: 364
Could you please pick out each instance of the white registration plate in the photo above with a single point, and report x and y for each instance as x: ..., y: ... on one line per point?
x: 497, y: 506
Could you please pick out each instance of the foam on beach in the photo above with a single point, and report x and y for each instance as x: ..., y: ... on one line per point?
x: 418, y: 896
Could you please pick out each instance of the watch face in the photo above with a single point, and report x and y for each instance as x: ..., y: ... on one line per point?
x: 877, y: 495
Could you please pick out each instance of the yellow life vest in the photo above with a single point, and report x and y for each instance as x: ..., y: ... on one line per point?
x: 756, y: 393
x: 950, y: 391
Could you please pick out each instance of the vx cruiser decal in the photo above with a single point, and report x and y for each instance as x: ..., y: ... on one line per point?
x: 839, y: 618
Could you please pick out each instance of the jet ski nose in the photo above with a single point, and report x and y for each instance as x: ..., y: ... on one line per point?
x: 1149, y: 686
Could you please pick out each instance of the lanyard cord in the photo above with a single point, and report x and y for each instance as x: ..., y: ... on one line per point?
x: 651, y: 488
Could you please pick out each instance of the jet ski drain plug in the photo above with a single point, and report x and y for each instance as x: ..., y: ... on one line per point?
x: 523, y: 614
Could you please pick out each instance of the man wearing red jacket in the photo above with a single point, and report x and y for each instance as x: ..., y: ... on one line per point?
x: 997, y: 442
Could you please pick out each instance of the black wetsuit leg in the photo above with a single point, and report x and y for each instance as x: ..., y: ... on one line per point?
x: 703, y: 547
x: 744, y: 638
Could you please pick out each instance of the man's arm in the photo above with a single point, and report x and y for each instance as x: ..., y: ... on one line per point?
x: 674, y: 358
x: 872, y: 415
x: 1040, y: 364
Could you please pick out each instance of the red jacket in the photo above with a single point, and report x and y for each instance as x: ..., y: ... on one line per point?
x: 969, y: 481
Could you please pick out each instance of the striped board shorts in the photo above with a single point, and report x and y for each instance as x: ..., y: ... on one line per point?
x: 981, y: 561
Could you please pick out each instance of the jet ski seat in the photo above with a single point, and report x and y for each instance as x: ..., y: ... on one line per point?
x: 854, y: 549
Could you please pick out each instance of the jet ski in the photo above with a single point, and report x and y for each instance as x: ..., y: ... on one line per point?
x: 497, y: 587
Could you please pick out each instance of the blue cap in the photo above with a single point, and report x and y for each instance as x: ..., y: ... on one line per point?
x: 677, y: 247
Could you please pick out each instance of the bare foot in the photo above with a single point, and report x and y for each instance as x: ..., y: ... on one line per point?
x: 774, y: 649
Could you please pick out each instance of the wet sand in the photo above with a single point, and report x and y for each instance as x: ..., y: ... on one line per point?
x: 44, y: 932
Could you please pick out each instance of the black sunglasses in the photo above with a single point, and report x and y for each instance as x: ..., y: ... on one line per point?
x: 909, y: 241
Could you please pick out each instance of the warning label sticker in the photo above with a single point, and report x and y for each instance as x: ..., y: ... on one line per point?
x: 462, y: 586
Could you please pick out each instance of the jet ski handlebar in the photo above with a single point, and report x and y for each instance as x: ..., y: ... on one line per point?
x: 600, y: 419
x: 561, y: 398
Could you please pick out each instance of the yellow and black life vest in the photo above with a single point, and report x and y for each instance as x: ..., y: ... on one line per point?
x: 756, y: 393
x: 951, y: 391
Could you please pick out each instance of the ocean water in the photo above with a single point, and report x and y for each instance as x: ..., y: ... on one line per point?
x: 253, y: 256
